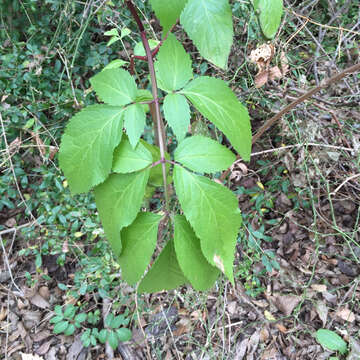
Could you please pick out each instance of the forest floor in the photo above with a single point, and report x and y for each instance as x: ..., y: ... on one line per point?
x: 297, y: 263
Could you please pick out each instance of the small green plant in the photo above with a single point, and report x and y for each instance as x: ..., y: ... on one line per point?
x: 201, y: 223
x: 115, y: 332
x: 67, y: 321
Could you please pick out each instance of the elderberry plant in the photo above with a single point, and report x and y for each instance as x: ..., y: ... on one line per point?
x: 102, y: 149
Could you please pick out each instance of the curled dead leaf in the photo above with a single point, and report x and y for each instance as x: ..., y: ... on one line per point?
x: 275, y: 73
x: 262, y: 55
x: 261, y: 78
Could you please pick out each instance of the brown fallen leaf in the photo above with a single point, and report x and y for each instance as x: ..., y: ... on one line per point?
x: 253, y: 345
x: 232, y: 307
x: 355, y: 350
x: 39, y: 301
x: 319, y: 287
x: 287, y: 303
x: 345, y: 314
x: 322, y: 311
x: 284, y: 64
x: 183, y: 326
x: 264, y: 335
x: 271, y: 354
x: 275, y: 73
x: 3, y: 313
x: 44, y: 348
x: 241, y: 349
x: 44, y: 292
x: 281, y: 328
x: 261, y: 78
x: 40, y: 336
x: 75, y: 349
x: 30, y: 357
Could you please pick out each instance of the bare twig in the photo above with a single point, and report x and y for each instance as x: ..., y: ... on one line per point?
x: 339, y: 28
x: 6, y: 260
x: 65, y: 62
x: 17, y: 228
x: 344, y: 182
x: 302, y: 98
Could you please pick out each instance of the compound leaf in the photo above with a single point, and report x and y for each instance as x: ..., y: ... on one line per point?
x: 209, y: 25
x: 191, y: 260
x: 139, y: 241
x: 118, y: 201
x: 177, y: 114
x: 87, y: 146
x: 134, y: 122
x: 202, y: 154
x: 128, y: 159
x: 167, y: 12
x: 114, y: 86
x: 173, y: 65
x: 165, y: 274
x: 213, y: 212
x: 215, y: 100
x: 270, y: 12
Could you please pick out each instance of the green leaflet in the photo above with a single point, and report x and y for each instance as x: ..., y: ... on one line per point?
x: 127, y: 159
x: 202, y: 154
x: 270, y: 12
x: 114, y: 86
x: 139, y: 241
x: 177, y: 114
x: 134, y: 122
x: 212, y: 210
x: 191, y: 260
x: 139, y: 47
x: 156, y: 177
x: 118, y: 201
x: 331, y: 340
x: 173, y: 65
x: 167, y: 12
x: 165, y: 274
x: 87, y: 146
x: 209, y: 25
x: 115, y: 64
x: 215, y: 100
x: 144, y: 95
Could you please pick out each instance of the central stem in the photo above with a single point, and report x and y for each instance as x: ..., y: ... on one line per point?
x: 158, y: 118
